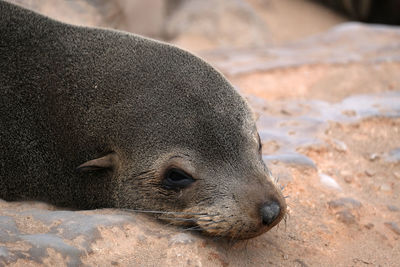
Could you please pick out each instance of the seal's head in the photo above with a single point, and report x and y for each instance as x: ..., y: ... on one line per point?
x: 194, y: 158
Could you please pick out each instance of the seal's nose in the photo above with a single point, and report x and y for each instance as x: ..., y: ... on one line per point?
x: 269, y: 212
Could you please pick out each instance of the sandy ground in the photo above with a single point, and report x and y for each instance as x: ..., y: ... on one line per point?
x: 358, y: 224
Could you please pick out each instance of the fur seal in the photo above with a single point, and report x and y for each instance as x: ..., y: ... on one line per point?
x: 95, y: 118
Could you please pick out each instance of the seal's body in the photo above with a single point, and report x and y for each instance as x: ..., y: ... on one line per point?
x: 95, y: 118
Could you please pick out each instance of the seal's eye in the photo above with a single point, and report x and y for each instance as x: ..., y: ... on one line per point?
x: 177, y: 179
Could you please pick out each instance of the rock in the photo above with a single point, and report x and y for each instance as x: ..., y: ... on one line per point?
x: 299, y: 262
x: 393, y: 155
x: 225, y: 23
x: 374, y: 157
x: 222, y: 23
x: 393, y: 208
x: 385, y: 187
x: 346, y: 43
x: 339, y: 145
x: 369, y: 226
x: 393, y: 226
x: 346, y: 175
x: 107, y: 237
x: 181, y: 238
x: 3, y: 252
x: 329, y: 181
x: 348, y: 179
x: 370, y: 173
x: 346, y: 217
x: 346, y: 209
x: 128, y: 15
x: 286, y: 112
x: 79, y: 236
x: 344, y: 202
x: 294, y: 159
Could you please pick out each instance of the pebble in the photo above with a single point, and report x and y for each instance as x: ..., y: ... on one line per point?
x: 369, y: 173
x: 374, y: 157
x: 346, y: 217
x: 393, y: 155
x: 346, y: 205
x: 344, y: 202
x: 369, y: 226
x: 393, y: 208
x: 347, y: 176
x: 396, y: 175
x: 339, y: 146
x: 181, y: 238
x: 3, y: 252
x: 329, y: 181
x: 348, y: 179
x: 394, y: 227
x: 291, y: 159
x: 299, y: 262
x: 385, y: 187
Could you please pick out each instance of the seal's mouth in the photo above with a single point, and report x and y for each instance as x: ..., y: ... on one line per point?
x: 225, y: 220
x: 220, y: 225
x: 229, y: 226
x: 244, y: 224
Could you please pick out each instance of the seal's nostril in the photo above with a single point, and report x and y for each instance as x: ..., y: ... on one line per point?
x: 269, y: 212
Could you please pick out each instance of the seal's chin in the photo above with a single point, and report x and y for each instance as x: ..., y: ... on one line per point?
x: 219, y: 227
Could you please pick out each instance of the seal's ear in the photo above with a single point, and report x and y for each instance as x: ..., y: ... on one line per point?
x: 109, y: 161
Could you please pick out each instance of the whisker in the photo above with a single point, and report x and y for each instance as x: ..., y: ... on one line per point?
x: 285, y: 220
x: 171, y: 223
x: 192, y: 228
x: 186, y: 219
x: 213, y: 222
x: 169, y: 212
x: 197, y: 228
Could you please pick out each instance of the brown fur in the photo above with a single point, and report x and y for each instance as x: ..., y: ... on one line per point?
x: 95, y: 118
